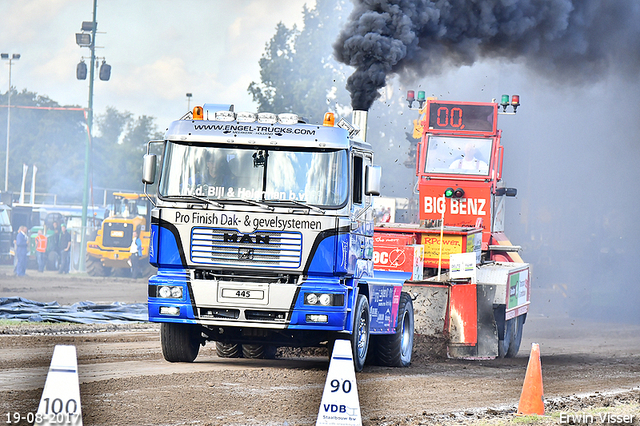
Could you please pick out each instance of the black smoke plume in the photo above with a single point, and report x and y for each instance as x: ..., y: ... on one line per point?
x: 573, y: 41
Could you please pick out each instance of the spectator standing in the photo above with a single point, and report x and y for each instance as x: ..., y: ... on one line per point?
x: 65, y: 250
x: 53, y: 247
x: 136, y: 253
x: 41, y: 248
x: 22, y: 244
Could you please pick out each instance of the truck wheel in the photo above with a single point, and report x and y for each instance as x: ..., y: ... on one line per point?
x: 180, y: 342
x: 360, y: 335
x: 510, y: 345
x: 516, y: 339
x: 259, y: 351
x: 95, y: 268
x: 228, y: 350
x: 395, y: 350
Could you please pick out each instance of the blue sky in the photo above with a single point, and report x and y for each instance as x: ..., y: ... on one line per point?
x: 159, y: 50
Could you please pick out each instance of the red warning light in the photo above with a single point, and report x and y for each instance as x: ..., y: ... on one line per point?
x: 411, y: 95
x: 515, y: 102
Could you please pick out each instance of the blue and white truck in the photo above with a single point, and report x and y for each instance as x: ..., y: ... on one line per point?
x: 262, y: 234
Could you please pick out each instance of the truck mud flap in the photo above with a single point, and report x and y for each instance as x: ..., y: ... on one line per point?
x: 474, y: 335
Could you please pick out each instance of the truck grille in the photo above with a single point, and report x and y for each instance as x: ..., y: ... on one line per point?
x: 117, y: 234
x: 213, y: 246
x: 265, y: 316
x: 212, y: 313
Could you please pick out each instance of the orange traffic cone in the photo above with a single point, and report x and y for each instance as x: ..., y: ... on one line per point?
x: 532, y: 398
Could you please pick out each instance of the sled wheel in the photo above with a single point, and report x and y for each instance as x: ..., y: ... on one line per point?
x: 511, y: 336
x: 516, y: 338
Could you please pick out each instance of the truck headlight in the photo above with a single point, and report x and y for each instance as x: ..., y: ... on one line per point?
x: 310, y: 299
x: 169, y: 292
x: 324, y: 299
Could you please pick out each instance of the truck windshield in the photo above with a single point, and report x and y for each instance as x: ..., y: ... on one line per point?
x: 317, y: 177
x: 123, y: 207
x: 453, y: 155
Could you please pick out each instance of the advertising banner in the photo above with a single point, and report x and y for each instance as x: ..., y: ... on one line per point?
x: 403, y: 258
x: 518, y: 293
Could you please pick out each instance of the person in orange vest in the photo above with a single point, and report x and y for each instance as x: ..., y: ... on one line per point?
x: 41, y: 248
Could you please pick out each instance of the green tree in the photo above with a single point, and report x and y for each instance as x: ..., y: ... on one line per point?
x: 54, y: 137
x: 297, y: 70
x: 118, y: 150
x: 275, y: 93
x: 299, y: 74
x: 53, y: 140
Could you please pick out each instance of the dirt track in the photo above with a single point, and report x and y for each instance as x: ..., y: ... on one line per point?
x: 125, y: 381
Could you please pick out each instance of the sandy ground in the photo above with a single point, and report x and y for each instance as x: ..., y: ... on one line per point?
x: 125, y: 381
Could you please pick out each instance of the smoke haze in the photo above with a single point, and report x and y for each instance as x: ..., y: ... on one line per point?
x: 557, y: 38
x: 572, y: 149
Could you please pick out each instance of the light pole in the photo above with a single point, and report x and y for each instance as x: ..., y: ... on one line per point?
x: 13, y: 57
x: 87, y: 39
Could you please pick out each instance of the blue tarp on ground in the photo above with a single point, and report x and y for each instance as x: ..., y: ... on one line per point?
x: 18, y: 308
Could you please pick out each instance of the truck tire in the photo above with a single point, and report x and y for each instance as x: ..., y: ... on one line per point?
x: 180, y: 342
x: 514, y: 342
x: 360, y: 335
x: 228, y: 350
x: 395, y: 350
x: 510, y: 345
x: 95, y: 268
x: 259, y: 351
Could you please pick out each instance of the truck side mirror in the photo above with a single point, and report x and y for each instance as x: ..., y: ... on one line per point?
x: 509, y: 192
x: 149, y: 169
x: 373, y: 176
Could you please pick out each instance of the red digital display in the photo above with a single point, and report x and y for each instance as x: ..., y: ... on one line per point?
x: 461, y: 117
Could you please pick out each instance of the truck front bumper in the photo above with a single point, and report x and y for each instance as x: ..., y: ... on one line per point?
x: 316, y: 303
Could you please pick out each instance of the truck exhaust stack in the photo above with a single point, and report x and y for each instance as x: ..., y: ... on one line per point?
x: 360, y: 121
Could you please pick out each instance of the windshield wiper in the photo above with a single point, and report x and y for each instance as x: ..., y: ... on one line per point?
x: 255, y: 203
x: 196, y: 197
x: 298, y: 203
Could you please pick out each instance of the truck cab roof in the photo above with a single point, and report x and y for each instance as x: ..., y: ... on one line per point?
x: 238, y: 132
